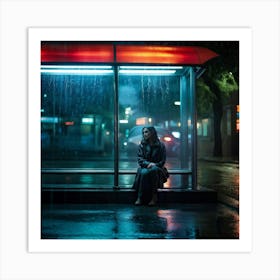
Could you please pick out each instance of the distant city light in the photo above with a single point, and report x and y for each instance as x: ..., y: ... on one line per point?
x: 49, y: 119
x: 142, y: 121
x: 177, y: 103
x: 176, y: 134
x: 123, y: 121
x: 87, y: 120
x: 167, y: 139
x: 128, y: 110
x: 69, y: 123
x: 237, y: 118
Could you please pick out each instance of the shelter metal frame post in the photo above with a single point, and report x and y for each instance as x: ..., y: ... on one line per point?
x: 116, y: 129
x: 184, y: 128
x: 192, y: 80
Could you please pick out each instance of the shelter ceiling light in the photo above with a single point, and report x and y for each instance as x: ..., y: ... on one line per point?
x: 77, y: 69
x: 152, y: 67
x: 147, y: 72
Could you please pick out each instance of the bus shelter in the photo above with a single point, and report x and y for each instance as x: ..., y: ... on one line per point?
x: 97, y: 96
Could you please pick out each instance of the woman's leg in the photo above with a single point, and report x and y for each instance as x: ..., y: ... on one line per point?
x: 149, y: 178
x: 154, y: 178
x: 153, y: 183
x: 143, y: 181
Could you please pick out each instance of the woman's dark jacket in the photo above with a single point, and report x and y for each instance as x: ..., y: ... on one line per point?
x: 156, y: 154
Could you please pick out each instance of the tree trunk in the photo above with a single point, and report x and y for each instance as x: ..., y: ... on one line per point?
x: 217, y: 106
x: 218, y: 114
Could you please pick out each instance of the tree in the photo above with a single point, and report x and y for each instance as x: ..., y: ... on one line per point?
x: 220, y: 79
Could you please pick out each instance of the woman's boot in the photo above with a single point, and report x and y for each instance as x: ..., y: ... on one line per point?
x: 153, y: 202
x: 138, y: 202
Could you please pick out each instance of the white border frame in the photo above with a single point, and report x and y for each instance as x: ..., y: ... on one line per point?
x: 262, y: 16
x: 243, y: 35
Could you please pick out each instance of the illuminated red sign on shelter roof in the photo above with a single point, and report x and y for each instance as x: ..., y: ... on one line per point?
x: 73, y: 52
x: 80, y: 52
x: 163, y: 54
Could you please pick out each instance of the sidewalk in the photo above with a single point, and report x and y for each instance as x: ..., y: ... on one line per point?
x: 219, y: 159
x: 221, y: 175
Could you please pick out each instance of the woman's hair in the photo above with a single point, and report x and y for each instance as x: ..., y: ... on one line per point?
x: 154, y: 136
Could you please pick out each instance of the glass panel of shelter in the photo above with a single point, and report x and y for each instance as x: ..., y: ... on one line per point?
x: 78, y: 122
x: 160, y: 97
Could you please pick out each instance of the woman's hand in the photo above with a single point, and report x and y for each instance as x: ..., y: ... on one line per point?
x: 151, y: 164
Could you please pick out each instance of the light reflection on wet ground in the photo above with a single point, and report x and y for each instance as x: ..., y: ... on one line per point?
x: 176, y: 221
x: 122, y: 221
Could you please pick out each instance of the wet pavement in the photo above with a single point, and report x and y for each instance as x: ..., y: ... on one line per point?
x: 221, y: 175
x: 126, y: 221
x: 166, y: 221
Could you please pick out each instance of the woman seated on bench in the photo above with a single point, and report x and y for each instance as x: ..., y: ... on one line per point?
x: 151, y: 173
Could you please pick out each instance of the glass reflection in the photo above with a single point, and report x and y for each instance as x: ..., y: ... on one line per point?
x: 150, y: 100
x: 77, y: 119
